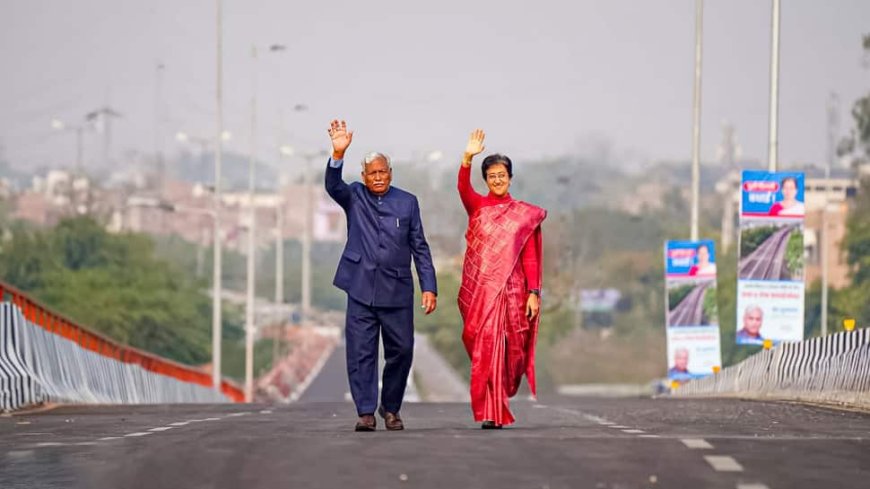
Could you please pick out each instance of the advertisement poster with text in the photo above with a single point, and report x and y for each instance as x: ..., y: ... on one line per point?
x: 770, y: 266
x: 692, y: 309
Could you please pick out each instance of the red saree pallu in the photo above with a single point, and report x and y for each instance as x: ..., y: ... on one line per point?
x: 499, y: 338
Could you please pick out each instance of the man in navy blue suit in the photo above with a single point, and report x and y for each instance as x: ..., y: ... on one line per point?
x: 384, y: 231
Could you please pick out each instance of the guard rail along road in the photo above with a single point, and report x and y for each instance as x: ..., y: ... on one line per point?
x: 45, y: 357
x: 834, y: 369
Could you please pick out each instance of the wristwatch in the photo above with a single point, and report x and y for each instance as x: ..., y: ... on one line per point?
x: 537, y: 292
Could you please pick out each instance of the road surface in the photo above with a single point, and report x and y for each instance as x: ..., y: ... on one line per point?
x: 690, y: 311
x: 767, y: 262
x: 557, y: 443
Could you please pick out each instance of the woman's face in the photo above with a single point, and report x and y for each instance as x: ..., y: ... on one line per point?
x: 498, y: 180
x: 789, y: 190
x: 703, y: 256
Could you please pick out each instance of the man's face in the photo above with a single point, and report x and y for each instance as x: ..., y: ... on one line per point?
x: 789, y: 190
x: 681, y: 360
x: 752, y: 321
x: 498, y: 180
x: 377, y: 176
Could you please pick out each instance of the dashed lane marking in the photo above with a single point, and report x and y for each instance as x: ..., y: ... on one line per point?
x: 633, y: 432
x: 723, y: 463
x: 649, y: 436
x: 109, y: 438
x: 696, y: 443
x: 141, y: 433
x: 162, y: 428
x: 180, y: 423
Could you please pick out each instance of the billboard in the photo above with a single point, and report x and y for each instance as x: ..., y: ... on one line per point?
x: 770, y: 266
x: 692, y: 315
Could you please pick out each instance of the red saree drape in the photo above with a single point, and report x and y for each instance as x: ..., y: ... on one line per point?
x: 499, y: 338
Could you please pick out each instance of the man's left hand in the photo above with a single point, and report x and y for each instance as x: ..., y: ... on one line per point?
x: 429, y: 302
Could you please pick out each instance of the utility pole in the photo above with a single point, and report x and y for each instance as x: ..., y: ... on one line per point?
x: 216, y: 237
x: 252, y: 243
x: 728, y: 155
x: 773, y: 144
x: 696, y: 117
x: 833, y: 120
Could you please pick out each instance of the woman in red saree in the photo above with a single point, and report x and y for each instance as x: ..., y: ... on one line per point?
x: 501, y: 286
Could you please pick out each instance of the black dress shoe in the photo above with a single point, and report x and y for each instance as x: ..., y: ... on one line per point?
x: 366, y: 422
x: 490, y: 425
x: 392, y: 421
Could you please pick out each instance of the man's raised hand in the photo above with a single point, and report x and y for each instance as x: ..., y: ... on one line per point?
x: 341, y: 138
x: 474, y: 147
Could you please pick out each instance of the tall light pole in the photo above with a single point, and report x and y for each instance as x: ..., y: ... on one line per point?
x: 252, y: 218
x: 696, y: 117
x: 773, y: 144
x: 833, y: 102
x: 216, y: 236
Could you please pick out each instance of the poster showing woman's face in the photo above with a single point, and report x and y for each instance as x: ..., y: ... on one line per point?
x: 772, y: 194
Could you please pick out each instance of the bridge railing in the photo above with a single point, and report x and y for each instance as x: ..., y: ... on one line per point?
x: 46, y: 357
x: 831, y: 369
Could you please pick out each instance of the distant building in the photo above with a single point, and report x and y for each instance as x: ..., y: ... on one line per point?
x: 839, y: 193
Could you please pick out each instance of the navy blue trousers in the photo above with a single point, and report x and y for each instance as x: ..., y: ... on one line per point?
x: 363, y: 325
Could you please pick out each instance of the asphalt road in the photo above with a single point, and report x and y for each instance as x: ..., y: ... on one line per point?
x: 558, y: 443
x: 690, y: 311
x: 767, y: 262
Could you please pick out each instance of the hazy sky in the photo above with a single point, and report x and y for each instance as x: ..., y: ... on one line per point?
x: 543, y: 78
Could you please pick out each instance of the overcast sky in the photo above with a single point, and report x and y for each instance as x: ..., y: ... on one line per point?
x: 543, y: 78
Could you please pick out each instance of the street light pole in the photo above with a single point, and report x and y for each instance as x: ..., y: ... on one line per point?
x: 252, y: 217
x: 217, y: 264
x: 773, y: 144
x: 833, y: 101
x: 696, y: 117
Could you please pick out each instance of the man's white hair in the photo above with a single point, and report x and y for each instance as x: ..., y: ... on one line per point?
x: 369, y: 158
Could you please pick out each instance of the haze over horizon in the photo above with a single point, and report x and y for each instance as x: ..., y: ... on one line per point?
x: 589, y: 77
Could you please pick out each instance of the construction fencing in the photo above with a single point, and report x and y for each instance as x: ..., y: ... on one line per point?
x: 46, y: 358
x: 833, y: 369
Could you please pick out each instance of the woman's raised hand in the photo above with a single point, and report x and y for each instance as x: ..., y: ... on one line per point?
x: 474, y: 147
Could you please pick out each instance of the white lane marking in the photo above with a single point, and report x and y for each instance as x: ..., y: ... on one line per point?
x: 162, y: 428
x: 539, y: 406
x: 109, y: 438
x: 180, y: 423
x: 50, y: 444
x: 723, y: 463
x: 617, y: 427
x: 142, y: 433
x: 633, y: 432
x: 237, y: 414
x: 649, y: 436
x: 265, y: 411
x: 211, y: 419
x: 195, y: 420
x: 605, y: 422
x: 85, y: 443
x: 696, y: 443
x: 754, y: 485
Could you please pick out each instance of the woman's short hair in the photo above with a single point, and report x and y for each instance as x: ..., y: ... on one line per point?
x: 495, y: 159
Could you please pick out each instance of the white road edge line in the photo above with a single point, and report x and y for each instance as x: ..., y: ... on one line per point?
x: 211, y: 419
x: 723, y: 463
x: 754, y: 485
x: 141, y: 433
x: 649, y: 436
x: 633, y: 432
x: 697, y: 443
x: 109, y: 438
x: 162, y: 428
x: 180, y: 423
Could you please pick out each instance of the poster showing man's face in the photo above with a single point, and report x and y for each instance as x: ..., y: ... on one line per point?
x: 681, y: 360
x: 753, y: 316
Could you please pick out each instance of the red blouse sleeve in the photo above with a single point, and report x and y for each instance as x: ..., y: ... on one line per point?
x: 531, y: 266
x: 470, y: 199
